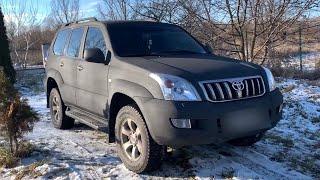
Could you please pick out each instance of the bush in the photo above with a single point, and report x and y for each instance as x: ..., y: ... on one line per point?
x: 16, y: 119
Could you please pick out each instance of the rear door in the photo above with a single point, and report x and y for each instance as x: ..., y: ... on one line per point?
x: 64, y: 66
x: 68, y: 63
x: 92, y: 78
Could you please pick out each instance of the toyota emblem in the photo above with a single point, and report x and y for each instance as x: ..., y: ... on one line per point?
x: 238, y: 85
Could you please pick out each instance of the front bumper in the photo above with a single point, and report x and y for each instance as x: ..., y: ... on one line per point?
x: 210, y: 122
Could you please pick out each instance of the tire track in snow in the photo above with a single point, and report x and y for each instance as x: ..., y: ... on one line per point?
x: 260, y: 163
x: 246, y: 159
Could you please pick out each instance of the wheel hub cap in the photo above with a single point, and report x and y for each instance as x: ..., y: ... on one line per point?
x: 131, y: 140
x: 56, y: 107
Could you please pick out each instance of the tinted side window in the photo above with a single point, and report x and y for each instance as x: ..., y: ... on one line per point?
x: 95, y: 39
x: 75, y: 42
x: 60, y: 42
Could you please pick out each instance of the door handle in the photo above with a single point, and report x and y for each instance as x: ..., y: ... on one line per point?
x: 80, y: 68
x: 61, y: 64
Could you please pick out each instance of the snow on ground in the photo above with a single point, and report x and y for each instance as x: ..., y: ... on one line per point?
x: 289, y: 151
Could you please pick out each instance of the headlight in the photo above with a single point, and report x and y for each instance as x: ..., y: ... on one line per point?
x: 271, y: 81
x: 175, y: 88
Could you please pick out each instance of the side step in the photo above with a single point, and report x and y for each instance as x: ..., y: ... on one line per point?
x: 88, y: 119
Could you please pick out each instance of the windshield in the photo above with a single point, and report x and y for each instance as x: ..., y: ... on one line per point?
x: 146, y: 41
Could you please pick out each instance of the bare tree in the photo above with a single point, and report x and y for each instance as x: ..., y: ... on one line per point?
x: 116, y: 10
x: 64, y: 11
x: 249, y: 28
x: 22, y: 17
x: 157, y: 10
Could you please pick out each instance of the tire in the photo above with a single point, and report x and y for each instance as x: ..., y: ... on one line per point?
x: 57, y: 111
x: 132, y: 136
x: 247, y: 141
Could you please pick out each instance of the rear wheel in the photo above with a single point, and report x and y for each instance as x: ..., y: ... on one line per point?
x: 57, y: 111
x: 247, y: 141
x: 136, y: 148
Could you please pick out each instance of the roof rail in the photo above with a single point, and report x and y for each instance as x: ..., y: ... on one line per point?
x: 89, y: 19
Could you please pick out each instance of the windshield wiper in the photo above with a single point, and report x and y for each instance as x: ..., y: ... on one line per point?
x: 139, y: 55
x: 176, y: 51
x: 161, y: 53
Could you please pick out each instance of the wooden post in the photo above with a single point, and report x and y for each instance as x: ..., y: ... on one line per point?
x: 300, y: 46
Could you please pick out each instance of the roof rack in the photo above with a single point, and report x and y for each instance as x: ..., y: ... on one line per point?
x: 89, y: 19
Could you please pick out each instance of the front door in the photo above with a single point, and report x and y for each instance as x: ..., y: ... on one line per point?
x: 92, y: 78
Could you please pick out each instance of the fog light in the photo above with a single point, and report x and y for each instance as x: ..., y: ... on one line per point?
x: 181, y: 123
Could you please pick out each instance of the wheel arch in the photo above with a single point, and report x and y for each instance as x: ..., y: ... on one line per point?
x: 53, y: 80
x: 123, y: 93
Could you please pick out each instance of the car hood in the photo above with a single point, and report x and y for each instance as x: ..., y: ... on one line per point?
x: 195, y: 68
x: 208, y: 67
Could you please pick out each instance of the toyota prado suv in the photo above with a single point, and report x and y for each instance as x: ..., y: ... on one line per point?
x: 151, y: 85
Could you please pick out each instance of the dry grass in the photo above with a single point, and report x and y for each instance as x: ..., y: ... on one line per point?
x: 7, y: 159
x: 227, y: 173
x: 25, y: 150
x: 10, y: 160
x: 30, y: 171
x: 280, y: 156
x: 280, y: 140
x: 305, y: 164
x: 288, y: 89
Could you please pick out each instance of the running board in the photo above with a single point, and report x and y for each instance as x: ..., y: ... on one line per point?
x: 88, y: 119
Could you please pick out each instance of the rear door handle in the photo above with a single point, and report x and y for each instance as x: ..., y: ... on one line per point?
x: 80, y: 68
x: 61, y: 64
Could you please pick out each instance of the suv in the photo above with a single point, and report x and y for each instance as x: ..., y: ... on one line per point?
x: 150, y: 85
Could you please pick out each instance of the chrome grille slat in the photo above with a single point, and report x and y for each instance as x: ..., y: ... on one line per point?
x: 228, y: 89
x: 253, y: 88
x: 220, y: 90
x: 226, y: 85
x: 247, y: 87
x: 212, y: 92
x: 259, y: 88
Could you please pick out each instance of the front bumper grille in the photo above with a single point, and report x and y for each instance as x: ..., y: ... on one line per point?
x: 233, y: 89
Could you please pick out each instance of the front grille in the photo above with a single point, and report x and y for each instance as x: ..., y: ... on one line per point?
x: 233, y: 89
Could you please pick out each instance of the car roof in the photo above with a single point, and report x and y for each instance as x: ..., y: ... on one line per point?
x: 122, y: 23
x: 134, y: 22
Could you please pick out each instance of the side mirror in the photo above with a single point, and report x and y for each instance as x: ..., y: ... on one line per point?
x: 95, y: 55
x: 45, y: 53
x: 208, y: 48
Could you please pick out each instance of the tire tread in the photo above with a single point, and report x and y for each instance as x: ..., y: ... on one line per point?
x: 154, y: 151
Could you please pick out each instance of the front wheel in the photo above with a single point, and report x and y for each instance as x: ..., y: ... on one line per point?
x: 135, y: 146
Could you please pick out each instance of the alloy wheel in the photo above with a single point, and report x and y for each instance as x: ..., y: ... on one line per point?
x: 56, y: 108
x: 131, y: 140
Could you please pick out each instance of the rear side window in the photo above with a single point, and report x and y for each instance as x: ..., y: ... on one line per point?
x: 60, y: 42
x: 95, y: 39
x: 75, y: 42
